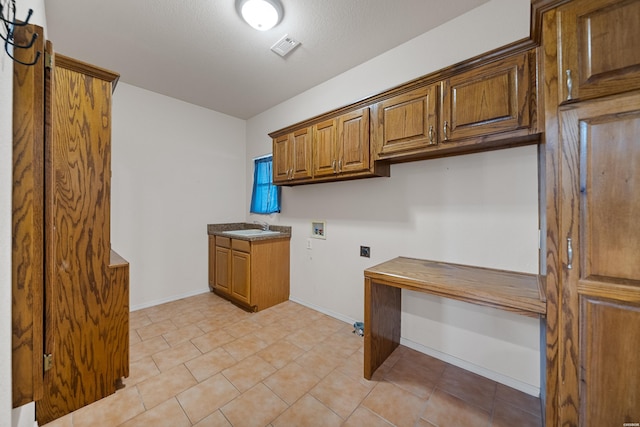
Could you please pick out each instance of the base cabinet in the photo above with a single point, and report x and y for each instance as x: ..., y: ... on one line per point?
x: 252, y: 274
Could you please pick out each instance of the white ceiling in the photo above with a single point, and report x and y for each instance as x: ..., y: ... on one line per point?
x: 200, y: 51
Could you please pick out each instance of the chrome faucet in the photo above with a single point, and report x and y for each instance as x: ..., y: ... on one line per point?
x: 265, y: 225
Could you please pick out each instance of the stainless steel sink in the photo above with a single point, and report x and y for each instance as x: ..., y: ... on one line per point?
x: 252, y: 232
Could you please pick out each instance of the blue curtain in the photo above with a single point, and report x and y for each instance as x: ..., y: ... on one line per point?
x: 265, y: 198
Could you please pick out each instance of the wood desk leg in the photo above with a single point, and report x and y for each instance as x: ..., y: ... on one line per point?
x: 382, y: 307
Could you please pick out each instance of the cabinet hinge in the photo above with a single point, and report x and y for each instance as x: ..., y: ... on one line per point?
x: 48, y: 361
x: 48, y: 60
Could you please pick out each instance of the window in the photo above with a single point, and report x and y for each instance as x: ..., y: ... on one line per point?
x: 265, y: 198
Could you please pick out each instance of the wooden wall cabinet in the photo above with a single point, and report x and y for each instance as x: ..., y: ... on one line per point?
x: 253, y: 274
x: 292, y: 157
x: 485, y: 107
x: 341, y: 145
x: 408, y: 123
x: 598, y: 48
x: 489, y: 100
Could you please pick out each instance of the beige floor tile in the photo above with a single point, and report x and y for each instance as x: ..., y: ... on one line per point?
x: 160, y: 388
x: 244, y: 347
x: 505, y: 415
x: 248, y: 372
x: 209, y: 364
x: 291, y: 382
x: 280, y: 353
x: 256, y: 407
x: 518, y: 399
x: 134, y: 338
x: 187, y: 318
x: 267, y: 317
x: 138, y: 319
x: 470, y: 387
x: 183, y: 334
x: 214, y: 420
x: 271, y: 333
x: 340, y: 393
x: 175, y: 356
x: 416, y: 379
x: 140, y: 370
x: 110, y: 411
x: 169, y: 413
x: 155, y: 329
x: 242, y: 328
x: 444, y: 409
x: 326, y: 325
x: 212, y: 340
x: 394, y: 404
x: 305, y: 338
x: 319, y: 361
x: 308, y: 412
x: 208, y: 396
x: 364, y: 417
x: 147, y: 348
x: 65, y: 421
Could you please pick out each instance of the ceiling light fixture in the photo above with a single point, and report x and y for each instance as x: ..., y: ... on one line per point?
x: 260, y: 14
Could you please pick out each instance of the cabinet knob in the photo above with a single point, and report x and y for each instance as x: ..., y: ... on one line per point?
x: 445, y: 130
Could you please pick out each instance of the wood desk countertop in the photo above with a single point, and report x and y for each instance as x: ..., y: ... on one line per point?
x: 521, y: 293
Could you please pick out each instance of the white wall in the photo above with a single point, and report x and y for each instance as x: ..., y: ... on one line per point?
x: 478, y: 209
x: 176, y: 167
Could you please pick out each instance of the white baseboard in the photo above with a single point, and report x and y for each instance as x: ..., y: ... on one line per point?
x: 484, y: 372
x: 323, y: 310
x: 168, y: 299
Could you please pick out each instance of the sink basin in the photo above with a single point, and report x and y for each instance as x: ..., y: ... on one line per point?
x: 252, y: 232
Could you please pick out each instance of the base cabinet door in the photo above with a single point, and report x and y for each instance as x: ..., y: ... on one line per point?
x: 223, y: 269
x: 241, y: 276
x: 600, y: 249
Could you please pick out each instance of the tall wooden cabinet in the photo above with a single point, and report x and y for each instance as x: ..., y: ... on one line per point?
x: 86, y: 317
x: 70, y: 293
x: 591, y: 74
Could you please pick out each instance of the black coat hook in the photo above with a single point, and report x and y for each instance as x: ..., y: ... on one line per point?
x: 10, y: 24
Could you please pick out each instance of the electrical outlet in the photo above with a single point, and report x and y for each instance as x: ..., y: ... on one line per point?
x: 309, y: 244
x: 365, y: 251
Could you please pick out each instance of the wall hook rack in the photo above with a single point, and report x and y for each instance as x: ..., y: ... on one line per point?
x: 10, y: 23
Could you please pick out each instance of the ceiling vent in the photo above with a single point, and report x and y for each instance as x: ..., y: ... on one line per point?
x: 285, y: 45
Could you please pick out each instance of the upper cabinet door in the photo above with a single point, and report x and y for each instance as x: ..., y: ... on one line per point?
x: 353, y: 141
x: 598, y: 48
x: 408, y: 122
x: 281, y: 159
x: 490, y: 99
x: 325, y: 147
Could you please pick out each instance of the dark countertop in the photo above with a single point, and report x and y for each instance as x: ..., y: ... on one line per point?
x: 221, y: 229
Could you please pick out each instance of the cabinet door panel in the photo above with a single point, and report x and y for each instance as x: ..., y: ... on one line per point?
x: 491, y: 99
x: 325, y: 156
x: 241, y: 276
x: 223, y: 269
x: 353, y: 141
x: 599, y: 42
x: 301, y: 154
x: 599, y: 252
x: 610, y: 332
x: 281, y: 159
x: 407, y: 122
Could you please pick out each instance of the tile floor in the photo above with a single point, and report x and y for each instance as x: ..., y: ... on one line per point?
x: 201, y: 361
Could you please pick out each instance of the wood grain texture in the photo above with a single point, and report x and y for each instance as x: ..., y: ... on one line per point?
x: 600, y: 154
x: 517, y: 292
x: 117, y: 321
x: 353, y: 141
x: 550, y: 267
x: 325, y: 148
x: 27, y: 256
x: 81, y: 303
x: 599, y: 40
x: 382, y: 313
x: 212, y: 262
